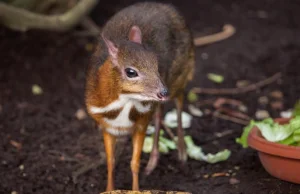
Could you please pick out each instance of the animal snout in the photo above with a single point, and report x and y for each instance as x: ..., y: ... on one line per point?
x: 163, y: 93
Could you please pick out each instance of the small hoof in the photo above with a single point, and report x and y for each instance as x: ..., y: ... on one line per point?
x: 151, y: 166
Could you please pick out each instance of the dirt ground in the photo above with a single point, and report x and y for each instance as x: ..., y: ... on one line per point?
x: 55, y: 144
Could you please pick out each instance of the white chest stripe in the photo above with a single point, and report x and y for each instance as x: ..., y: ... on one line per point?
x: 127, y: 102
x: 120, y: 102
x: 112, y: 106
x: 122, y: 119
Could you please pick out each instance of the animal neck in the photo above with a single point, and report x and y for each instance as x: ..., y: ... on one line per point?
x: 109, y: 87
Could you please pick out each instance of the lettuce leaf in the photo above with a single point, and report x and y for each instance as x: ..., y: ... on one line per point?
x: 243, y: 139
x: 195, y: 152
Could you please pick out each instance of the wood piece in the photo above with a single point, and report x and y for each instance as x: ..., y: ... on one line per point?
x: 232, y: 91
x: 228, y: 31
x: 144, y: 192
x: 23, y: 20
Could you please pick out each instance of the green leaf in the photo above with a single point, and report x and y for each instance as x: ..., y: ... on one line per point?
x: 215, y: 77
x: 288, y: 141
x: 163, y: 148
x: 275, y: 132
x: 148, y: 144
x: 195, y: 152
x: 218, y: 157
x: 169, y: 143
x: 192, y: 97
x: 296, y: 111
x: 243, y: 139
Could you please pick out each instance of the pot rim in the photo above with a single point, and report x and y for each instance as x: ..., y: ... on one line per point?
x: 256, y: 141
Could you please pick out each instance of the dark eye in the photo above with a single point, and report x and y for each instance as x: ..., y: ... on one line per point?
x: 131, y: 73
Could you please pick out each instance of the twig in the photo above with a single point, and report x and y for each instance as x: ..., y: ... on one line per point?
x: 228, y: 91
x: 218, y: 174
x: 23, y: 20
x: 168, y: 130
x: 90, y: 27
x: 87, y: 167
x: 228, y: 30
x: 224, y: 133
x: 63, y: 156
x: 234, y: 113
x: 220, y: 101
x: 229, y: 118
x: 205, y: 102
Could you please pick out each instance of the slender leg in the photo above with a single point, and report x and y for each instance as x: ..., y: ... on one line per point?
x: 182, y: 155
x: 154, y: 156
x: 138, y: 141
x: 109, y: 142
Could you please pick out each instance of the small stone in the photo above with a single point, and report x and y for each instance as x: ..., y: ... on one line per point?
x: 242, y: 83
x: 262, y: 14
x: 243, y: 108
x: 206, y: 176
x: 204, y: 56
x: 234, y: 181
x: 207, y: 111
x: 229, y: 171
x: 21, y: 167
x: 263, y: 100
x: 49, y: 178
x: 276, y: 94
x: 80, y: 114
x: 233, y: 174
x: 22, y: 130
x: 286, y: 114
x: 4, y: 162
x: 236, y: 168
x: 262, y: 114
x: 277, y: 105
x: 14, y: 192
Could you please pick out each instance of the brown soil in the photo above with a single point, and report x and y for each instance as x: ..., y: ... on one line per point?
x: 267, y: 41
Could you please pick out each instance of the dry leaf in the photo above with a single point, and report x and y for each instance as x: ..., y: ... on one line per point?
x: 16, y: 144
x: 234, y: 181
x: 36, y: 90
x: 276, y: 94
x: 242, y: 83
x: 277, y: 105
x: 195, y: 111
x: 89, y: 47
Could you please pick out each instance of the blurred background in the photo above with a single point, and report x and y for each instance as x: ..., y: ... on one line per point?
x: 49, y: 145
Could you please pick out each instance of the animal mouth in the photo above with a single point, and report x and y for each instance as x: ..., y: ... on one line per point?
x: 159, y: 98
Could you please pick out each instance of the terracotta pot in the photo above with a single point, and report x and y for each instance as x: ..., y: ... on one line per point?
x: 279, y: 160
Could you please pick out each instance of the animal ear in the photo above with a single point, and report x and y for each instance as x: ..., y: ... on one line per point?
x: 112, y: 49
x: 135, y: 34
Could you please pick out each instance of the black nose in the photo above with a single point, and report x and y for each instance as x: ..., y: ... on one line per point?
x: 163, y: 93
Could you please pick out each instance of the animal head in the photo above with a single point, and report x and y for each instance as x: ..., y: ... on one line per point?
x: 138, y: 68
